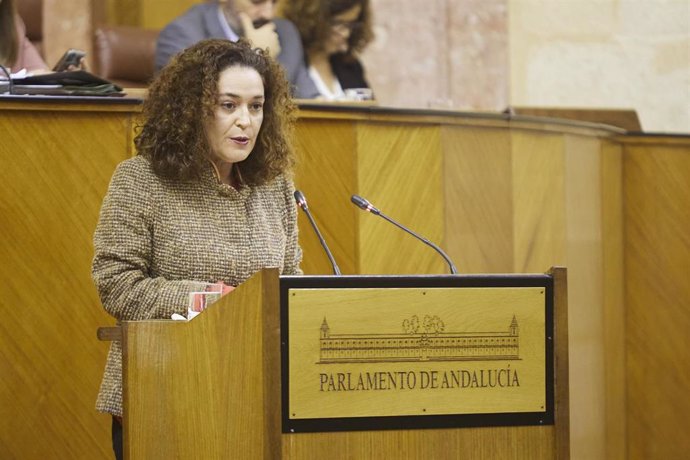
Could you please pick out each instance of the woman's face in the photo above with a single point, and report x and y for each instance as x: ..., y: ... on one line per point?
x: 234, y: 127
x: 341, y: 28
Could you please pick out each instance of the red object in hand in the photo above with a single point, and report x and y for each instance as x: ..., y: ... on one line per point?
x: 224, y: 288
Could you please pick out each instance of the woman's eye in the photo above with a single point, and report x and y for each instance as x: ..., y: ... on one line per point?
x: 257, y: 106
x: 228, y: 105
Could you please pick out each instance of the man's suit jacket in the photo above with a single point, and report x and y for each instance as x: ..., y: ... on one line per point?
x: 201, y: 22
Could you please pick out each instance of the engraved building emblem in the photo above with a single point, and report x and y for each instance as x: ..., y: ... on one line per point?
x: 425, y: 340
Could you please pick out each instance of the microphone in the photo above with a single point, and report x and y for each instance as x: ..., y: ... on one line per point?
x: 8, y: 73
x: 365, y: 205
x: 302, y: 203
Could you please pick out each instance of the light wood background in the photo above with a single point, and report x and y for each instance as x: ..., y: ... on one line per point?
x: 500, y: 195
x: 56, y: 162
x: 656, y: 193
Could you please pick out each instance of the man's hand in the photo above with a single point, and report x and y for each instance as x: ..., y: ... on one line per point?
x: 265, y: 37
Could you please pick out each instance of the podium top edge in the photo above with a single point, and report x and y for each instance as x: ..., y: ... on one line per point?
x: 421, y: 281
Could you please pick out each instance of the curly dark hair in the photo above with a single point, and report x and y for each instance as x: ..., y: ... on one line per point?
x: 313, y: 20
x: 184, y: 95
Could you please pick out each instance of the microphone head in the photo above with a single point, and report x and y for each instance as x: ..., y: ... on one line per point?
x: 360, y: 202
x: 364, y: 204
x: 300, y: 199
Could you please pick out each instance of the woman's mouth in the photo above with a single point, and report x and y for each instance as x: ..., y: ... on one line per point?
x: 242, y: 140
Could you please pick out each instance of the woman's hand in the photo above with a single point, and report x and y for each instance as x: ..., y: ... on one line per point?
x: 82, y: 66
x: 223, y: 288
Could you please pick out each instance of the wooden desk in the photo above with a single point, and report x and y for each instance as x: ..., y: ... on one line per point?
x: 500, y: 193
x: 57, y: 158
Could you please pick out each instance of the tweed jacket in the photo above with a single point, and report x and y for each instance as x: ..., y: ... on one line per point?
x: 201, y: 22
x: 157, y: 240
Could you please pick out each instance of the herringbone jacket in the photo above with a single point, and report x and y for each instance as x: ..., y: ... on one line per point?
x: 157, y: 240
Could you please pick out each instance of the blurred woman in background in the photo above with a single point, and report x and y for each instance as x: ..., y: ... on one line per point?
x: 16, y: 51
x: 333, y: 33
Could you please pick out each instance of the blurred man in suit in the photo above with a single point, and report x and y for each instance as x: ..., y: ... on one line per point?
x: 232, y: 19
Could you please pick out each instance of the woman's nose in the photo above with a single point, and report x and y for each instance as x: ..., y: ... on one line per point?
x: 242, y: 119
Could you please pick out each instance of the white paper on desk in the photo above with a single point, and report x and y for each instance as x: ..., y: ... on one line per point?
x: 21, y: 74
x: 190, y: 314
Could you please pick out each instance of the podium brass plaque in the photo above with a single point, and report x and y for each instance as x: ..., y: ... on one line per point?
x: 392, y: 356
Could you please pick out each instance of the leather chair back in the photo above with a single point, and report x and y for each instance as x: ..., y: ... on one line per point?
x: 125, y: 55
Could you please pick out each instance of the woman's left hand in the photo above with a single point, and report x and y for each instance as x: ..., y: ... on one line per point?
x: 82, y: 66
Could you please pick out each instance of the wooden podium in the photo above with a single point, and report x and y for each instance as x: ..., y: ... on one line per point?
x: 232, y: 382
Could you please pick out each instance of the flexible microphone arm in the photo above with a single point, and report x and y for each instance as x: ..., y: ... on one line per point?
x: 6, y: 71
x: 302, y: 203
x: 365, y: 205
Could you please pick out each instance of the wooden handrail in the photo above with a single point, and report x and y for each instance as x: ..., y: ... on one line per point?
x: 109, y: 333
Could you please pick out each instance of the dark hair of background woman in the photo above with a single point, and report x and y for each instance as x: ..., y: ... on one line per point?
x: 313, y: 20
x: 185, y: 94
x: 9, y: 41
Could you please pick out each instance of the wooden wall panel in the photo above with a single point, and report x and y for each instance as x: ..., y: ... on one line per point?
x: 66, y: 24
x: 584, y: 250
x: 148, y: 14
x: 155, y: 14
x: 558, y: 197
x: 542, y: 236
x: 326, y: 175
x: 399, y: 172
x: 657, y: 298
x: 538, y: 198
x: 478, y: 187
x: 613, y: 299
x: 557, y: 221
x: 50, y: 361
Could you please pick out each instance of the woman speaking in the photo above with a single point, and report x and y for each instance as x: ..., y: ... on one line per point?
x: 208, y: 198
